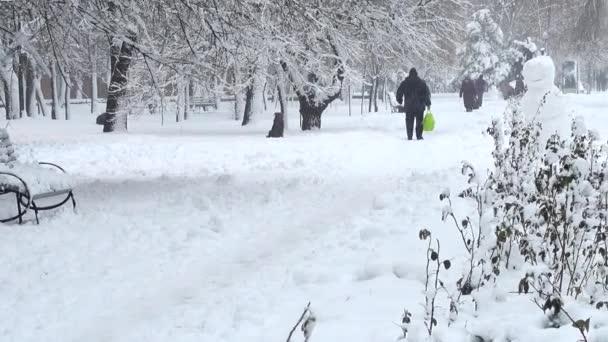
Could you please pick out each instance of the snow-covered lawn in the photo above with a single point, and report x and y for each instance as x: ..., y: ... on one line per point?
x: 207, y: 231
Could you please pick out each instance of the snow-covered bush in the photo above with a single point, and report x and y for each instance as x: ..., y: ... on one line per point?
x: 541, y: 212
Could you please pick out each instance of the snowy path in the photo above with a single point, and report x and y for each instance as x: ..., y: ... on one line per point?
x: 226, y: 237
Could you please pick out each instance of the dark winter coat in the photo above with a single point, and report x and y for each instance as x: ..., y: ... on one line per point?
x: 481, y: 86
x: 520, y: 88
x: 414, y: 94
x: 278, y: 126
x: 468, y: 93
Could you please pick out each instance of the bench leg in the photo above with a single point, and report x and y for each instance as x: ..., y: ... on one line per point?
x: 18, y: 196
x: 35, y: 211
x: 73, y: 201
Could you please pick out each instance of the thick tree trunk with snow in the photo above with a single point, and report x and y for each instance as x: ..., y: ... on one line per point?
x: 122, y: 54
x: 371, y: 95
x: 61, y: 87
x: 375, y: 94
x: 254, y: 105
x: 66, y: 95
x: 179, y: 100
x: 11, y: 91
x: 247, y: 114
x: 283, y: 103
x: 30, y: 88
x: 93, y: 61
x: 21, y: 74
x: 311, y: 110
x: 238, y: 98
x: 40, y: 95
x: 187, y: 100
x: 79, y: 85
x: 54, y: 100
x: 311, y: 114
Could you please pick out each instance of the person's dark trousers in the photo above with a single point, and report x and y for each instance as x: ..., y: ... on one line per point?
x: 410, y: 117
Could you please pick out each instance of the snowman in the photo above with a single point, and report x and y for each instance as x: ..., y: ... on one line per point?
x: 539, y: 74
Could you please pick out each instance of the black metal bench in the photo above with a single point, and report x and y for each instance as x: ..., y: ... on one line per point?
x: 26, y: 198
x: 30, y: 189
x: 199, y: 102
x: 395, y: 107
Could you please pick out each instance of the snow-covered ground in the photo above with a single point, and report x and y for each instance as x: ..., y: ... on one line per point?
x: 207, y: 231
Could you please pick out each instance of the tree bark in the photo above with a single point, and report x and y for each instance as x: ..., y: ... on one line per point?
x: 61, y: 88
x: 30, y: 88
x: 54, y: 100
x: 93, y: 61
x: 238, y: 101
x: 21, y: 70
x: 122, y: 53
x: 187, y: 100
x: 11, y: 95
x: 40, y: 96
x: 283, y: 102
x: 376, y: 86
x: 311, y: 114
x: 66, y: 95
x: 371, y: 95
x: 248, y: 105
x: 79, y: 85
x: 179, y: 100
x: 264, y: 96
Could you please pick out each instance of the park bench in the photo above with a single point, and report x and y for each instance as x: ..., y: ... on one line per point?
x: 199, y: 102
x: 395, y: 107
x: 32, y: 183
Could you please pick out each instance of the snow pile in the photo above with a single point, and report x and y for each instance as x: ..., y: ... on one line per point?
x: 7, y: 151
x: 543, y: 103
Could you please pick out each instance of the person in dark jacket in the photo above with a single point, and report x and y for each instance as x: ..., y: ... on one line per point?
x: 414, y: 94
x: 520, y: 88
x: 468, y: 93
x: 481, y: 87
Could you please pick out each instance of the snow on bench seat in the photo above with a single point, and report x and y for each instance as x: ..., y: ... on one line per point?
x: 40, y: 179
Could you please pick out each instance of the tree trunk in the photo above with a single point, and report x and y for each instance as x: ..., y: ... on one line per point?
x: 283, y: 103
x: 311, y: 114
x: 187, y: 100
x: 93, y: 61
x: 61, y: 88
x: 179, y: 100
x: 30, y: 88
x: 66, y: 95
x: 248, y: 105
x: 371, y: 95
x: 238, y: 101
x: 122, y: 53
x: 79, y: 85
x: 40, y: 96
x: 264, y: 96
x: 11, y: 94
x: 54, y: 100
x: 11, y: 89
x: 21, y: 70
x: 2, y: 100
x: 375, y: 94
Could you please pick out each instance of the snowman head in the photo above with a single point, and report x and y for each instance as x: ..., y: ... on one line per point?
x: 539, y: 73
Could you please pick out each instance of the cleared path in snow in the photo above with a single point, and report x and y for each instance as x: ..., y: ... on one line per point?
x: 225, y: 237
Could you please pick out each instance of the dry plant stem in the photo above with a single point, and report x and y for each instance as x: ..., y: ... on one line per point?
x: 435, y: 293
x: 298, y: 322
x: 580, y: 329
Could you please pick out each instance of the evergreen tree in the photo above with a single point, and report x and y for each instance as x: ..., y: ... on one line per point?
x: 484, y: 52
